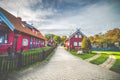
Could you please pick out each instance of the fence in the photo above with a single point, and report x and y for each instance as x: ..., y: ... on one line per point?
x: 107, y: 49
x: 10, y: 63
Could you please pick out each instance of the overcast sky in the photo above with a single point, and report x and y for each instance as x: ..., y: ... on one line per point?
x: 62, y: 17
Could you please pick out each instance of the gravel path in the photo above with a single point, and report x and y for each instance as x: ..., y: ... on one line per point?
x: 94, y: 57
x: 109, y: 62
x: 64, y: 66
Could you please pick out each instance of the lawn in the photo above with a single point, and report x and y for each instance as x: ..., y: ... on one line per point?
x: 116, y: 66
x: 36, y: 50
x: 100, y: 59
x: 83, y: 56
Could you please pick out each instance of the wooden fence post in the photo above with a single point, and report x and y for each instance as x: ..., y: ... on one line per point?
x: 43, y: 54
x: 19, y: 63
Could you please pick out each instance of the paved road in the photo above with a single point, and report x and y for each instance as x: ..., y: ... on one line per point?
x: 64, y: 66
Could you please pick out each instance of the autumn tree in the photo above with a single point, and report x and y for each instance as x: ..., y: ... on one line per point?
x: 63, y: 38
x: 48, y: 36
x: 57, y: 38
x: 86, y: 45
x: 113, y: 35
x: 91, y: 38
x: 109, y: 38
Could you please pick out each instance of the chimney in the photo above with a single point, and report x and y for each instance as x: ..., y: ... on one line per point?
x: 19, y: 18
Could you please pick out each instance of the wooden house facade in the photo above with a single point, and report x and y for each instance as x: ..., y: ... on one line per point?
x: 16, y: 34
x: 51, y: 42
x: 74, y: 42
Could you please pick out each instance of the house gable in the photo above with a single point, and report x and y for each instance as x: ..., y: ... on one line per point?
x: 78, y: 33
x: 75, y: 40
x: 17, y: 24
x: 5, y: 20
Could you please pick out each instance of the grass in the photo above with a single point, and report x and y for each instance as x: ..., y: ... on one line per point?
x: 100, y: 59
x: 116, y: 65
x: 36, y: 50
x: 83, y: 56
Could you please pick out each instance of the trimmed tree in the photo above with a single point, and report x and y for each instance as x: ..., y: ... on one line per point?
x: 86, y: 45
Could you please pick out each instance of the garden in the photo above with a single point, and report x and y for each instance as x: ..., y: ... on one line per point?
x: 104, y: 55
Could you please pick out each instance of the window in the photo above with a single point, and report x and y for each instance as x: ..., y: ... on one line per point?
x: 36, y: 32
x: 76, y: 36
x: 80, y: 43
x: 80, y: 36
x: 23, y: 25
x: 75, y: 43
x: 31, y: 41
x: 43, y: 43
x: 33, y: 30
x: 25, y: 42
x: 3, y: 39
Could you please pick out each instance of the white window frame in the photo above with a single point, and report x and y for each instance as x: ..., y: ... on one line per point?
x: 75, y: 43
x: 24, y: 42
x: 2, y: 38
x: 80, y: 43
x: 80, y: 36
x: 76, y: 36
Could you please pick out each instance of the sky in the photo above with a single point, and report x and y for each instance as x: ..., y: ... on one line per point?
x: 63, y: 17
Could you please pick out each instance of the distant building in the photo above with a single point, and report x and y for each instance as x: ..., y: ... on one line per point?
x: 51, y: 42
x: 74, y: 42
x: 16, y: 34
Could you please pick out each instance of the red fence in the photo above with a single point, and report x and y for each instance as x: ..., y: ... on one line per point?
x: 10, y: 63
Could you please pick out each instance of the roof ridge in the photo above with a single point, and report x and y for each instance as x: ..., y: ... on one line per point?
x: 75, y: 33
x: 18, y: 24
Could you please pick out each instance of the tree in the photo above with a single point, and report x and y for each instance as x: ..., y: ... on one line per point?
x: 91, y: 38
x: 63, y: 38
x: 86, y: 45
x: 113, y: 35
x: 89, y: 44
x: 109, y: 38
x: 57, y: 38
x: 48, y: 36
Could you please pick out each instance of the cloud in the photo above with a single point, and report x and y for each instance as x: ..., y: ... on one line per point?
x: 92, y: 19
x: 63, y: 16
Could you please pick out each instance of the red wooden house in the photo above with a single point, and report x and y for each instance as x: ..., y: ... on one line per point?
x: 17, y: 34
x: 74, y: 42
x: 51, y: 42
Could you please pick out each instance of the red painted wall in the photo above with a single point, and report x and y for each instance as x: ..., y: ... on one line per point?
x: 66, y: 44
x: 3, y: 47
x: 75, y: 39
x: 72, y: 40
x: 51, y: 42
x: 20, y: 42
x: 11, y: 42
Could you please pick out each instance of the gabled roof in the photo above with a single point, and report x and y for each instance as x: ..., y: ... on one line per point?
x: 3, y: 18
x: 77, y: 31
x: 28, y: 25
x: 51, y: 39
x: 15, y: 23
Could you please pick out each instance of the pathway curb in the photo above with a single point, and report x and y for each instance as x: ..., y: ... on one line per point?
x: 94, y: 57
x: 109, y: 62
